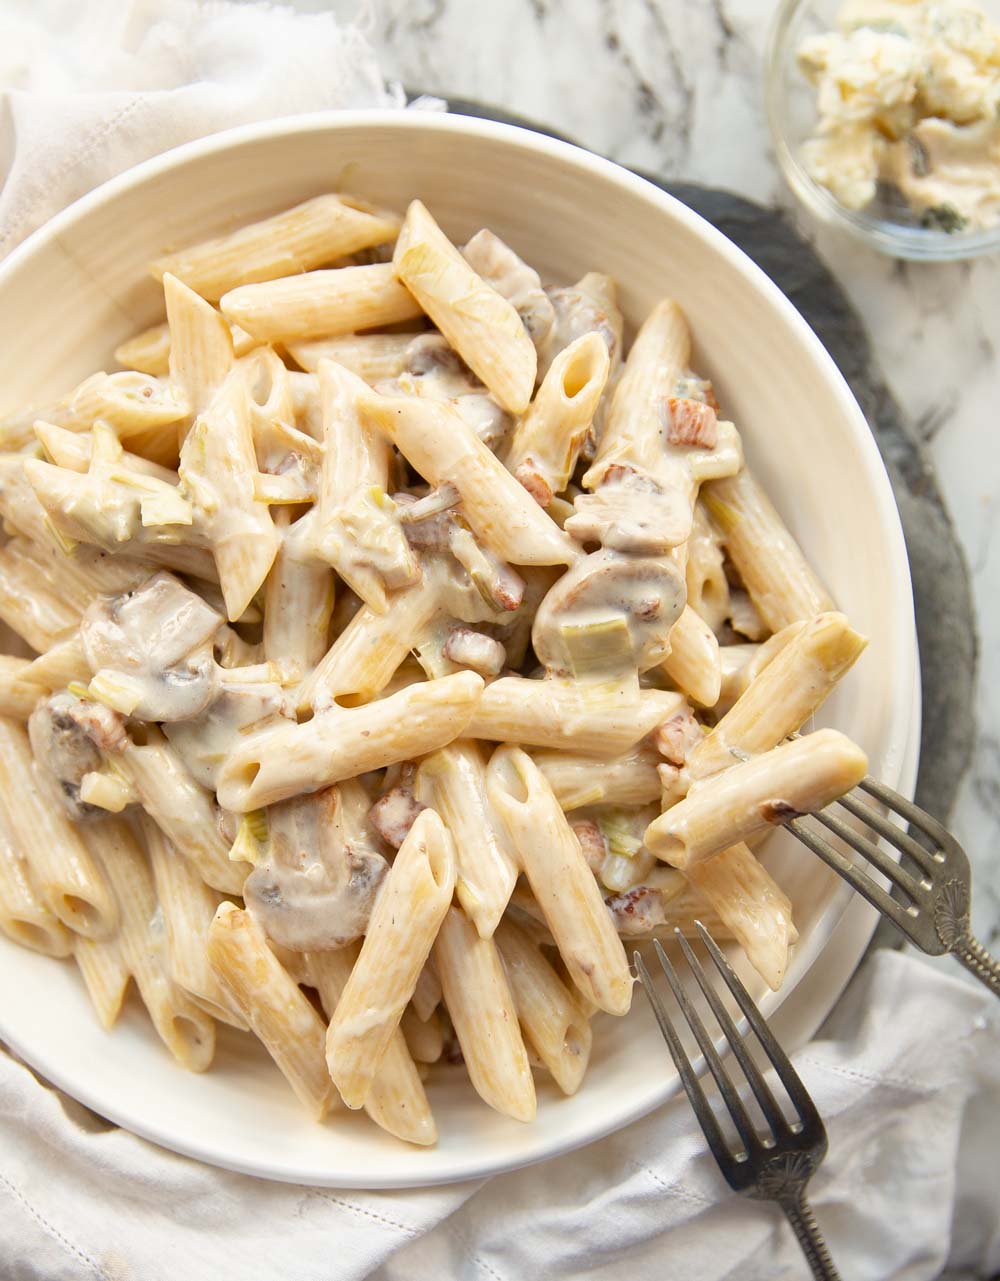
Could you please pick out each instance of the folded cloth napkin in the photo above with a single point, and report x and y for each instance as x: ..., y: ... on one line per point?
x: 89, y: 89
x: 907, y: 1073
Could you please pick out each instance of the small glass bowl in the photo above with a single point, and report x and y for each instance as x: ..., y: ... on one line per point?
x: 791, y: 113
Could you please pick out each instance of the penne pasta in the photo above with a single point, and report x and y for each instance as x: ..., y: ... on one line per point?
x: 443, y: 448
x: 752, y: 797
x: 201, y: 345
x: 182, y: 809
x: 577, y: 780
x: 343, y: 742
x: 373, y: 357
x: 18, y: 691
x: 186, y: 1031
x: 315, y: 232
x: 68, y: 881
x: 452, y: 781
x: 562, y: 883
x: 787, y: 691
x: 694, y: 664
x: 320, y: 303
x: 483, y: 1014
x: 478, y: 322
x: 274, y: 1006
x: 396, y: 1101
x: 551, y: 1020
x: 188, y: 906
x: 24, y: 918
x: 105, y: 976
x: 548, y: 439
x: 596, y: 721
x: 781, y: 583
x: 402, y: 929
x: 397, y: 595
x: 217, y: 469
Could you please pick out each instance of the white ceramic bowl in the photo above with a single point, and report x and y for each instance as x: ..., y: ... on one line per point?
x: 78, y: 287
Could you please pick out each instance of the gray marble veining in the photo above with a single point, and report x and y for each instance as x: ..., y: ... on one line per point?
x: 675, y: 87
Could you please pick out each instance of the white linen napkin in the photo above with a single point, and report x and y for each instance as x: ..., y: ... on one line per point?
x: 907, y: 1073
x: 907, y: 1077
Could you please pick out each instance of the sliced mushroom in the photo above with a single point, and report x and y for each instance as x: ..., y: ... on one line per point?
x: 68, y: 738
x: 154, y: 645
x: 316, y: 890
x: 608, y: 615
x: 631, y: 512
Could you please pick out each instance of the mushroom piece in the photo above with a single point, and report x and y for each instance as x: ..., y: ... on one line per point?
x: 609, y: 615
x: 68, y: 738
x: 152, y: 648
x: 316, y: 889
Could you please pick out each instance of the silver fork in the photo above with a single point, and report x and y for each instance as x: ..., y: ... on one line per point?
x: 776, y: 1166
x: 930, y: 906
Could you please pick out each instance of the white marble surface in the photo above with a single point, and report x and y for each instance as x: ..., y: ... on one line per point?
x: 675, y: 86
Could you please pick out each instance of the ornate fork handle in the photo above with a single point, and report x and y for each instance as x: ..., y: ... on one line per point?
x: 978, y: 961
x: 803, y: 1222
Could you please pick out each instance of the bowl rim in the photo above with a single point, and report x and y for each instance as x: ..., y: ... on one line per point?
x: 903, y: 659
x: 914, y: 244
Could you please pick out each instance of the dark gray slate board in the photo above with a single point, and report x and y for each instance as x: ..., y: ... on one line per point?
x: 942, y: 596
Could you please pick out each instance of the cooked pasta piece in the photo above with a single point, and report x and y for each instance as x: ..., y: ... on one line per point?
x: 396, y: 1101
x: 482, y: 1011
x: 452, y: 781
x: 482, y: 326
x: 18, y: 691
x: 273, y: 1004
x: 694, y: 664
x: 188, y: 906
x: 551, y: 1020
x: 578, y: 780
x: 597, y: 721
x: 320, y: 303
x: 373, y: 357
x: 342, y: 742
x: 402, y: 929
x: 780, y: 581
x: 310, y: 234
x: 184, y: 1028
x: 24, y: 918
x: 560, y: 879
x: 752, y: 797
x: 443, y: 448
x: 792, y: 686
x: 69, y: 882
x: 201, y: 345
x: 105, y: 975
x: 547, y: 441
x: 217, y: 470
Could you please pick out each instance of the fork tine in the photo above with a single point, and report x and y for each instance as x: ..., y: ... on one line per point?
x: 689, y: 1079
x: 869, y: 850
x: 730, y: 1095
x: 854, y: 876
x: 893, y: 834
x: 773, y: 1114
x: 787, y: 1075
x: 906, y: 809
